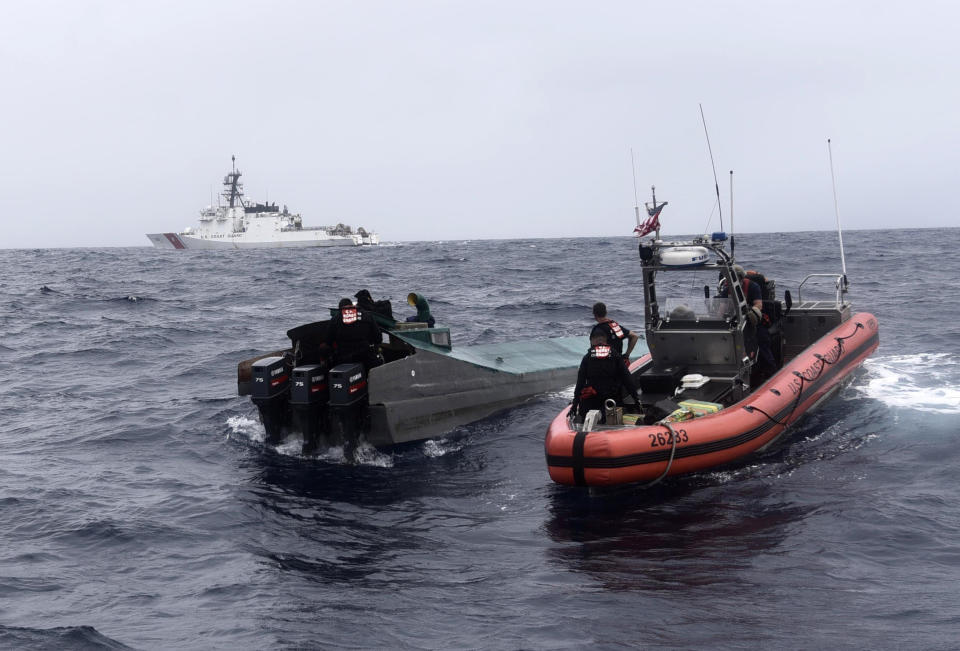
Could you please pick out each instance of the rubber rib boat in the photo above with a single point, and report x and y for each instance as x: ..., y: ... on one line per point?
x: 703, y: 402
x: 424, y: 388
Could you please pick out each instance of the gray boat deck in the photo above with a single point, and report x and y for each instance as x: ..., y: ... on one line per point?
x: 514, y: 357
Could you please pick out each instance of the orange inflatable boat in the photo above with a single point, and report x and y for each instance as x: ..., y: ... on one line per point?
x: 703, y: 401
x: 626, y: 454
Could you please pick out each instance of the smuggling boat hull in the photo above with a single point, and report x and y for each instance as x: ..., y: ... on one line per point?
x: 437, y: 390
x: 424, y: 388
x: 623, y: 455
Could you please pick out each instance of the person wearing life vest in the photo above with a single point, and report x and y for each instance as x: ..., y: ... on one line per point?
x: 751, y: 291
x: 365, y: 301
x: 602, y: 376
x: 381, y: 311
x: 614, y: 332
x: 354, y: 336
x: 765, y: 364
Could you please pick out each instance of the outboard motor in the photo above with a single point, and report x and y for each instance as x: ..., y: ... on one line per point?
x: 271, y: 384
x: 309, y: 395
x: 348, y: 402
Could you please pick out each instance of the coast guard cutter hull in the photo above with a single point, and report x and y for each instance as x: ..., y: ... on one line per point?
x: 248, y: 240
x: 242, y: 224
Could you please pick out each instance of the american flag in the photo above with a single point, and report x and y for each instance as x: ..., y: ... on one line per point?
x: 652, y: 223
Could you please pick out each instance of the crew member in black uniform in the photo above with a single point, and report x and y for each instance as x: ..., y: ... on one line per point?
x: 764, y: 362
x: 602, y: 376
x: 365, y: 301
x: 381, y: 311
x: 354, y: 336
x: 614, y: 333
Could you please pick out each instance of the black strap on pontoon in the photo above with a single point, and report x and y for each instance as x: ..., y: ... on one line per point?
x: 578, y: 458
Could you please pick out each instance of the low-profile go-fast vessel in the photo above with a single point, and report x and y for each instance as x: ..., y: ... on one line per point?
x: 424, y: 386
x: 241, y: 224
x: 702, y: 402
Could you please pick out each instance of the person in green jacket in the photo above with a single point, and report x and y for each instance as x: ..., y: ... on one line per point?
x: 423, y: 309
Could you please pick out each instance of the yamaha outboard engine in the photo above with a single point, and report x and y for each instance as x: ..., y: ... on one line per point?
x: 271, y: 384
x: 308, y: 400
x: 348, y: 402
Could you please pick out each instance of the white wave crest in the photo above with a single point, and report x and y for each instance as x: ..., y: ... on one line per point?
x: 246, y: 427
x: 364, y: 455
x: 561, y: 394
x: 367, y: 455
x: 922, y: 382
x: 432, y: 448
x: 292, y: 445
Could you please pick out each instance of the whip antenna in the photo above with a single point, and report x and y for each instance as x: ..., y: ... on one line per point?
x: 732, y: 243
x: 716, y: 184
x: 636, y: 197
x: 836, y: 210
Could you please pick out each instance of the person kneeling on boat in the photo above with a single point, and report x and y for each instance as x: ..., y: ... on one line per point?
x: 613, y: 332
x: 602, y: 376
x: 423, y: 309
x: 354, y: 336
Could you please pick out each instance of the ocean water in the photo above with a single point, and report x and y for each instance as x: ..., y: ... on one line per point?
x: 140, y: 507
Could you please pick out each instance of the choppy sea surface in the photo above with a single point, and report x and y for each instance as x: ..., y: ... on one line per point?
x: 140, y: 507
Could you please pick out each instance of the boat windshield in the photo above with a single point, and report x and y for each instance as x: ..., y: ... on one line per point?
x: 681, y: 296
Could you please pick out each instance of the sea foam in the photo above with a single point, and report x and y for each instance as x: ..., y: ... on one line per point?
x: 922, y: 382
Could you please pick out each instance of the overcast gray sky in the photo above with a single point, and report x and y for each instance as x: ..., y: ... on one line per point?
x: 442, y: 120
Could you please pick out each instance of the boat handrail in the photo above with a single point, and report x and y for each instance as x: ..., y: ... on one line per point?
x: 705, y: 324
x: 838, y: 281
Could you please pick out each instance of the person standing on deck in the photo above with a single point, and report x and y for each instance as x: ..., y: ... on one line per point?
x: 765, y: 363
x: 613, y: 332
x: 602, y: 376
x: 354, y: 336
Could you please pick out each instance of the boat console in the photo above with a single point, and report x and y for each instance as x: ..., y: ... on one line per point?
x: 694, y: 330
x: 690, y: 329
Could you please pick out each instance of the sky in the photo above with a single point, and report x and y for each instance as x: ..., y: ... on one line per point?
x: 437, y: 120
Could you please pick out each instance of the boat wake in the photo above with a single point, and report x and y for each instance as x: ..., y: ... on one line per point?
x: 246, y: 427
x: 439, y: 447
x: 365, y: 455
x: 250, y: 429
x: 923, y: 382
x: 815, y: 442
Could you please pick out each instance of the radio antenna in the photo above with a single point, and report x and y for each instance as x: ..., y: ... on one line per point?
x: 732, y: 242
x: 636, y: 197
x: 716, y: 184
x: 836, y: 210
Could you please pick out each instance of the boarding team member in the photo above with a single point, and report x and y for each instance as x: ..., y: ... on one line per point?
x: 354, y: 336
x: 602, y: 376
x: 765, y: 364
x: 614, y: 333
